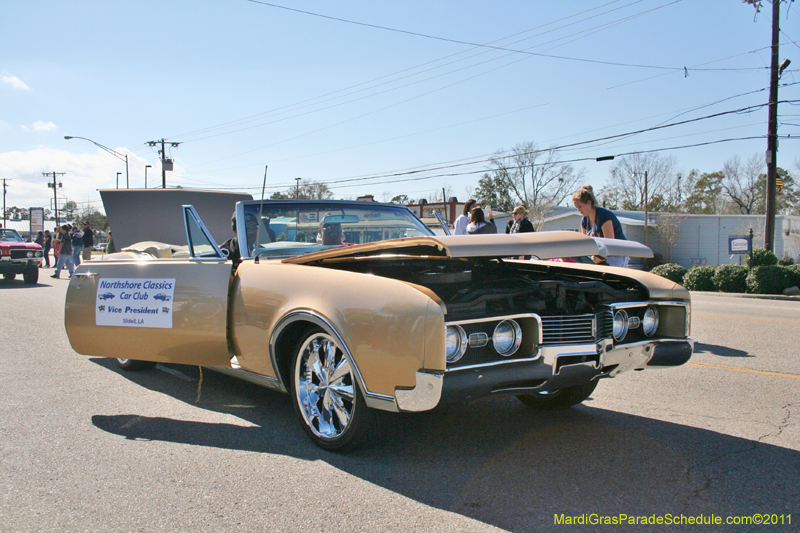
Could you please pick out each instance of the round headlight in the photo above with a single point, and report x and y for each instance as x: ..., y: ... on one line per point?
x: 620, y: 324
x: 455, y: 343
x: 30, y: 254
x: 507, y: 337
x: 650, y: 321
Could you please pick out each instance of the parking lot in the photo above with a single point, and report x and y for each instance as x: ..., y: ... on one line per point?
x: 88, y: 447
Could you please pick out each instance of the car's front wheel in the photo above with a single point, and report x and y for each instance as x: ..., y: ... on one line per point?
x: 561, y: 399
x: 326, y: 394
x: 134, y: 365
x: 31, y: 275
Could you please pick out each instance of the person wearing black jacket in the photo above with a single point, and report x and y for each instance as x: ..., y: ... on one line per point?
x: 48, y: 243
x: 519, y: 222
x: 88, y: 241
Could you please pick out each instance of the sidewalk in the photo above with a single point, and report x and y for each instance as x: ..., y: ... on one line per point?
x: 755, y: 296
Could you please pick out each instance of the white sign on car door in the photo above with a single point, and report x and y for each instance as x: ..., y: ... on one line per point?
x: 135, y: 302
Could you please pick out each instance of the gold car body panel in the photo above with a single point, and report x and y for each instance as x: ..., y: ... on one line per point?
x: 660, y: 288
x: 391, y: 328
x: 199, y: 306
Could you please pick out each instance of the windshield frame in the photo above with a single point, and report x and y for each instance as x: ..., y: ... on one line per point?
x: 315, y: 206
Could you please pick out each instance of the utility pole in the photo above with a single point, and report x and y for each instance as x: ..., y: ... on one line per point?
x: 772, y: 132
x: 55, y: 187
x: 645, y: 208
x: 5, y: 188
x: 166, y: 164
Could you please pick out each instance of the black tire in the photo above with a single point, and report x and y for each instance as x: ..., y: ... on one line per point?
x: 31, y: 275
x: 133, y: 365
x: 562, y: 399
x: 327, y: 399
x: 10, y: 277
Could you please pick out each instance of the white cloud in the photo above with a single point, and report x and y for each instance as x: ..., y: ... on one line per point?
x: 85, y: 173
x: 14, y: 82
x: 40, y: 126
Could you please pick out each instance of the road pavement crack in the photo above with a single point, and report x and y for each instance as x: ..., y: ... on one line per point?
x: 782, y: 424
x: 697, y: 494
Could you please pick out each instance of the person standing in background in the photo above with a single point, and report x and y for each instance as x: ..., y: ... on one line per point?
x: 598, y: 222
x: 110, y: 248
x: 77, y: 245
x: 519, y: 222
x: 460, y: 225
x: 48, y: 243
x: 479, y: 225
x: 88, y: 241
x: 65, y: 254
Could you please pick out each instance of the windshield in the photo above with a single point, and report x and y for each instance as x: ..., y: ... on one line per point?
x: 289, y: 228
x: 10, y: 235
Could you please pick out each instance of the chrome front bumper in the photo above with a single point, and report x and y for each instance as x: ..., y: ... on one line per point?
x: 556, y: 367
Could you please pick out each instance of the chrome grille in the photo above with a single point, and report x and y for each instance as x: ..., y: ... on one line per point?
x: 578, y: 329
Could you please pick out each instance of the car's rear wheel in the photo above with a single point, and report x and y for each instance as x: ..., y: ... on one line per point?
x: 9, y: 277
x: 31, y: 275
x: 326, y: 394
x: 561, y: 399
x: 134, y: 365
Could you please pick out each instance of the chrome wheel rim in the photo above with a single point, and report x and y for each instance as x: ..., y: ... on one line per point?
x: 324, y: 387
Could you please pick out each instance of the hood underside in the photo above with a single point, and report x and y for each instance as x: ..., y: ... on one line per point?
x: 540, y: 245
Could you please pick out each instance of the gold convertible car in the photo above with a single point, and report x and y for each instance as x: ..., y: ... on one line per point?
x: 352, y: 307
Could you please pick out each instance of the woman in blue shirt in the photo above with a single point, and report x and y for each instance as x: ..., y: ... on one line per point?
x: 598, y: 222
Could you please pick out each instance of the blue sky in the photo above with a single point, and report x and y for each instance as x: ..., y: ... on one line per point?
x: 242, y: 85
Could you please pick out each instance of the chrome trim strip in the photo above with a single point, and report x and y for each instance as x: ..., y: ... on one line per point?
x: 373, y: 399
x: 424, y: 396
x: 493, y: 363
x: 625, y: 305
x: 80, y: 275
x: 245, y: 375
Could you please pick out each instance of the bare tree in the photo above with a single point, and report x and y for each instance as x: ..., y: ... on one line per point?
x: 741, y: 183
x: 625, y: 187
x: 534, y: 178
x: 666, y: 230
x: 308, y: 190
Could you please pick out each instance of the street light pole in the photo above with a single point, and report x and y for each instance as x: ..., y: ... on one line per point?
x: 297, y: 189
x: 145, y: 174
x: 123, y: 157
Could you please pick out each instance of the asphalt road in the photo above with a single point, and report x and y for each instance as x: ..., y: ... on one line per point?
x: 87, y: 447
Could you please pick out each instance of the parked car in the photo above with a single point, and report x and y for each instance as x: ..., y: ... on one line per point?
x: 19, y: 257
x: 353, y: 307
x: 100, y: 247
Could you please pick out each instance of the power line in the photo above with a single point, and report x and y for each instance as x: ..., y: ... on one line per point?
x: 468, y: 43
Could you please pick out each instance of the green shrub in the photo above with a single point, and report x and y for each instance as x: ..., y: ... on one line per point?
x: 700, y: 278
x: 761, y: 257
x: 793, y: 274
x: 769, y: 279
x: 730, y: 278
x: 671, y: 271
x: 785, y: 261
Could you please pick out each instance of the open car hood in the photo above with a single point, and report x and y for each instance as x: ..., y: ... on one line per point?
x: 540, y: 245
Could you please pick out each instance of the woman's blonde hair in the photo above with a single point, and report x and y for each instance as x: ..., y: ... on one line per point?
x: 585, y: 195
x: 520, y: 210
